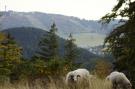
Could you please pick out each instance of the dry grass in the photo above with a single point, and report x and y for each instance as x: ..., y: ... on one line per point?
x: 56, y: 84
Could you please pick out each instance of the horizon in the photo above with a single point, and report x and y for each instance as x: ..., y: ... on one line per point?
x: 50, y: 14
x: 78, y: 8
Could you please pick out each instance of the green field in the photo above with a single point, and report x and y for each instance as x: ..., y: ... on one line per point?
x: 89, y: 39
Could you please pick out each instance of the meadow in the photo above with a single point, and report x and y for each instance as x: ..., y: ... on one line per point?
x: 89, y: 39
x: 95, y: 83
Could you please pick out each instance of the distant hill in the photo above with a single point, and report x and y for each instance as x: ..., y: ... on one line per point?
x: 88, y: 33
x: 65, y: 24
x: 29, y: 37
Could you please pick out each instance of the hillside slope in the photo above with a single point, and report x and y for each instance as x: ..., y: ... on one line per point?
x: 65, y: 24
x: 29, y: 37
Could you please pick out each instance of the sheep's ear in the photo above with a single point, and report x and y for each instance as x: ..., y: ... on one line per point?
x: 78, y: 76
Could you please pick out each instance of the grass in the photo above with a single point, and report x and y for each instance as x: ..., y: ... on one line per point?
x: 90, y: 39
x: 56, y: 84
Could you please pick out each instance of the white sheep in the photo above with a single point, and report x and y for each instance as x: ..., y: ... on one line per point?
x: 119, y: 80
x: 70, y: 78
x: 77, y: 76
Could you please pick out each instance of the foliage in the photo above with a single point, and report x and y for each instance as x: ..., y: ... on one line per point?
x: 102, y: 68
x: 9, y: 50
x: 4, y: 80
x: 70, y: 52
x: 124, y: 9
x: 56, y: 67
x: 121, y: 41
x: 10, y: 55
x: 49, y: 45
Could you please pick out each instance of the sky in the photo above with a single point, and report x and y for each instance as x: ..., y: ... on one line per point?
x: 84, y: 9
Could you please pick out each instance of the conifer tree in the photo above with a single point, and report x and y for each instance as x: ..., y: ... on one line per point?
x: 49, y: 52
x: 70, y: 51
x: 49, y: 44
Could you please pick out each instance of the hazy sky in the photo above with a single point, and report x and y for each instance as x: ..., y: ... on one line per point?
x: 88, y: 9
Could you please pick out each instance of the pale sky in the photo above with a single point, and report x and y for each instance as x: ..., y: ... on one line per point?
x: 87, y: 9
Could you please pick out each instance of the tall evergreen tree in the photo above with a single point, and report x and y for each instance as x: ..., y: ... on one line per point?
x: 70, y: 51
x: 49, y: 52
x: 49, y: 44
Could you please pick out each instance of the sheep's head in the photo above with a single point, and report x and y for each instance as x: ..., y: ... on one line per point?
x: 128, y: 86
x: 107, y: 78
x: 71, y: 78
x: 74, y: 78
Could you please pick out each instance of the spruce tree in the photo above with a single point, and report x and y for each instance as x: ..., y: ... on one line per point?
x: 70, y: 51
x: 49, y: 52
x: 49, y: 44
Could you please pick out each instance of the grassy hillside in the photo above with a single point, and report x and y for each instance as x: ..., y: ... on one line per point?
x: 89, y: 39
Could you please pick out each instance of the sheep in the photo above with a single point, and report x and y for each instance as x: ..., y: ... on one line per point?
x: 119, y: 80
x: 77, y: 77
x: 70, y: 78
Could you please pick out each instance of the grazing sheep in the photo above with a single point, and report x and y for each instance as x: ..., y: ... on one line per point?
x: 77, y: 76
x: 119, y: 80
x: 70, y: 78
